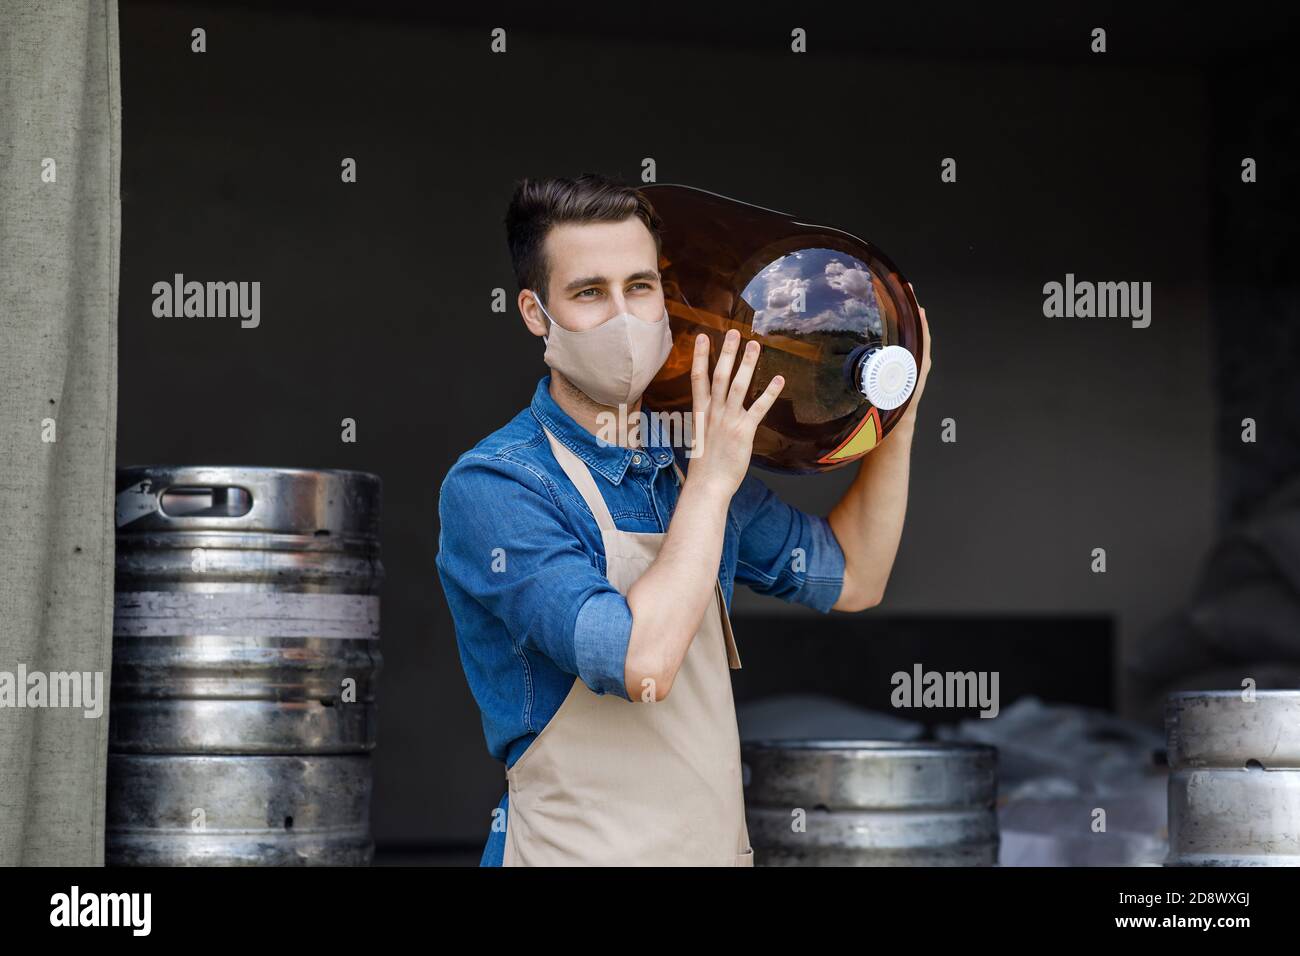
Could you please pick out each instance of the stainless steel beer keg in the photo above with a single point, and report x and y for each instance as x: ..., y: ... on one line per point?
x: 246, y: 647
x: 1234, y: 778
x: 871, y: 803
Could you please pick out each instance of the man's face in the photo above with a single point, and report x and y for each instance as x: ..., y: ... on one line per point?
x: 598, y: 270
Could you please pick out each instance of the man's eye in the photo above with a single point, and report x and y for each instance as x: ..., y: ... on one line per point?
x: 644, y: 285
x: 585, y: 291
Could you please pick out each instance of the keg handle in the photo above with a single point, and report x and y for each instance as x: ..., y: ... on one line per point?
x: 144, y: 499
x: 204, y: 501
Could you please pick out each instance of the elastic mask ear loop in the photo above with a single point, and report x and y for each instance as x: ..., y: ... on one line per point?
x: 545, y: 338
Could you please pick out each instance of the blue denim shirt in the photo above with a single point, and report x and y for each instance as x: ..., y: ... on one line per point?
x: 523, y: 566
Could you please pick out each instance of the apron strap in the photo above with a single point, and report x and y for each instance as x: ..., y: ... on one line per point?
x: 580, y: 475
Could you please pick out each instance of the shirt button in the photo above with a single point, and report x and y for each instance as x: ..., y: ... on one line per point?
x: 636, y: 459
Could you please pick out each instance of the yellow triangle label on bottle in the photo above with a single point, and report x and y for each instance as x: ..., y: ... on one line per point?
x: 860, y: 441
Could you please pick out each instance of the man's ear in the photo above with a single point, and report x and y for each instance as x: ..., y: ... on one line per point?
x: 534, y: 318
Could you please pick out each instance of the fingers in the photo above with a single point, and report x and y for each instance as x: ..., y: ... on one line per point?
x: 722, y: 372
x: 729, y: 393
x: 700, y: 374
x: 740, y: 384
x: 764, y: 401
x: 925, y: 325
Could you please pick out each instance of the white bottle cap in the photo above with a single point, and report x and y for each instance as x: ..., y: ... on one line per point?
x: 888, y: 376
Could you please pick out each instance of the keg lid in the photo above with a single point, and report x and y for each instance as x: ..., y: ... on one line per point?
x: 888, y: 376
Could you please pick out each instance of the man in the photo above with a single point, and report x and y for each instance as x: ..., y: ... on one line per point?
x: 589, y: 582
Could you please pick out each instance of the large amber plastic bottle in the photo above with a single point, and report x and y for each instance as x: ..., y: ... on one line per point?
x: 833, y: 314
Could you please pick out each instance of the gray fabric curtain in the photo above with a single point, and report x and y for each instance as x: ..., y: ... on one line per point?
x: 60, y: 215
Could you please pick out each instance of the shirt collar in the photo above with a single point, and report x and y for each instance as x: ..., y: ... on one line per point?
x: 610, y: 460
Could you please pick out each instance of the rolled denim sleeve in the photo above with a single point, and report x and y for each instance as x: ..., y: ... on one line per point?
x: 785, y: 552
x: 505, y: 541
x: 600, y: 637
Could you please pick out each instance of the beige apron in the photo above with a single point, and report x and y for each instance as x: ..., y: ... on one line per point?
x: 611, y: 782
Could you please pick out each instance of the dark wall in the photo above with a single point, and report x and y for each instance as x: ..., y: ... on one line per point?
x: 1072, y: 433
x: 1256, y: 302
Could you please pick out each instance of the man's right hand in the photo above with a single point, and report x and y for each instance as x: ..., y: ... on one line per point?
x: 722, y: 428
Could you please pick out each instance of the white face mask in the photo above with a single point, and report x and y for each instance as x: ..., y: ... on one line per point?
x: 614, y: 362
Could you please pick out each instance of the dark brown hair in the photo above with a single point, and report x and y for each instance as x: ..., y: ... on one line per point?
x: 539, y: 204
